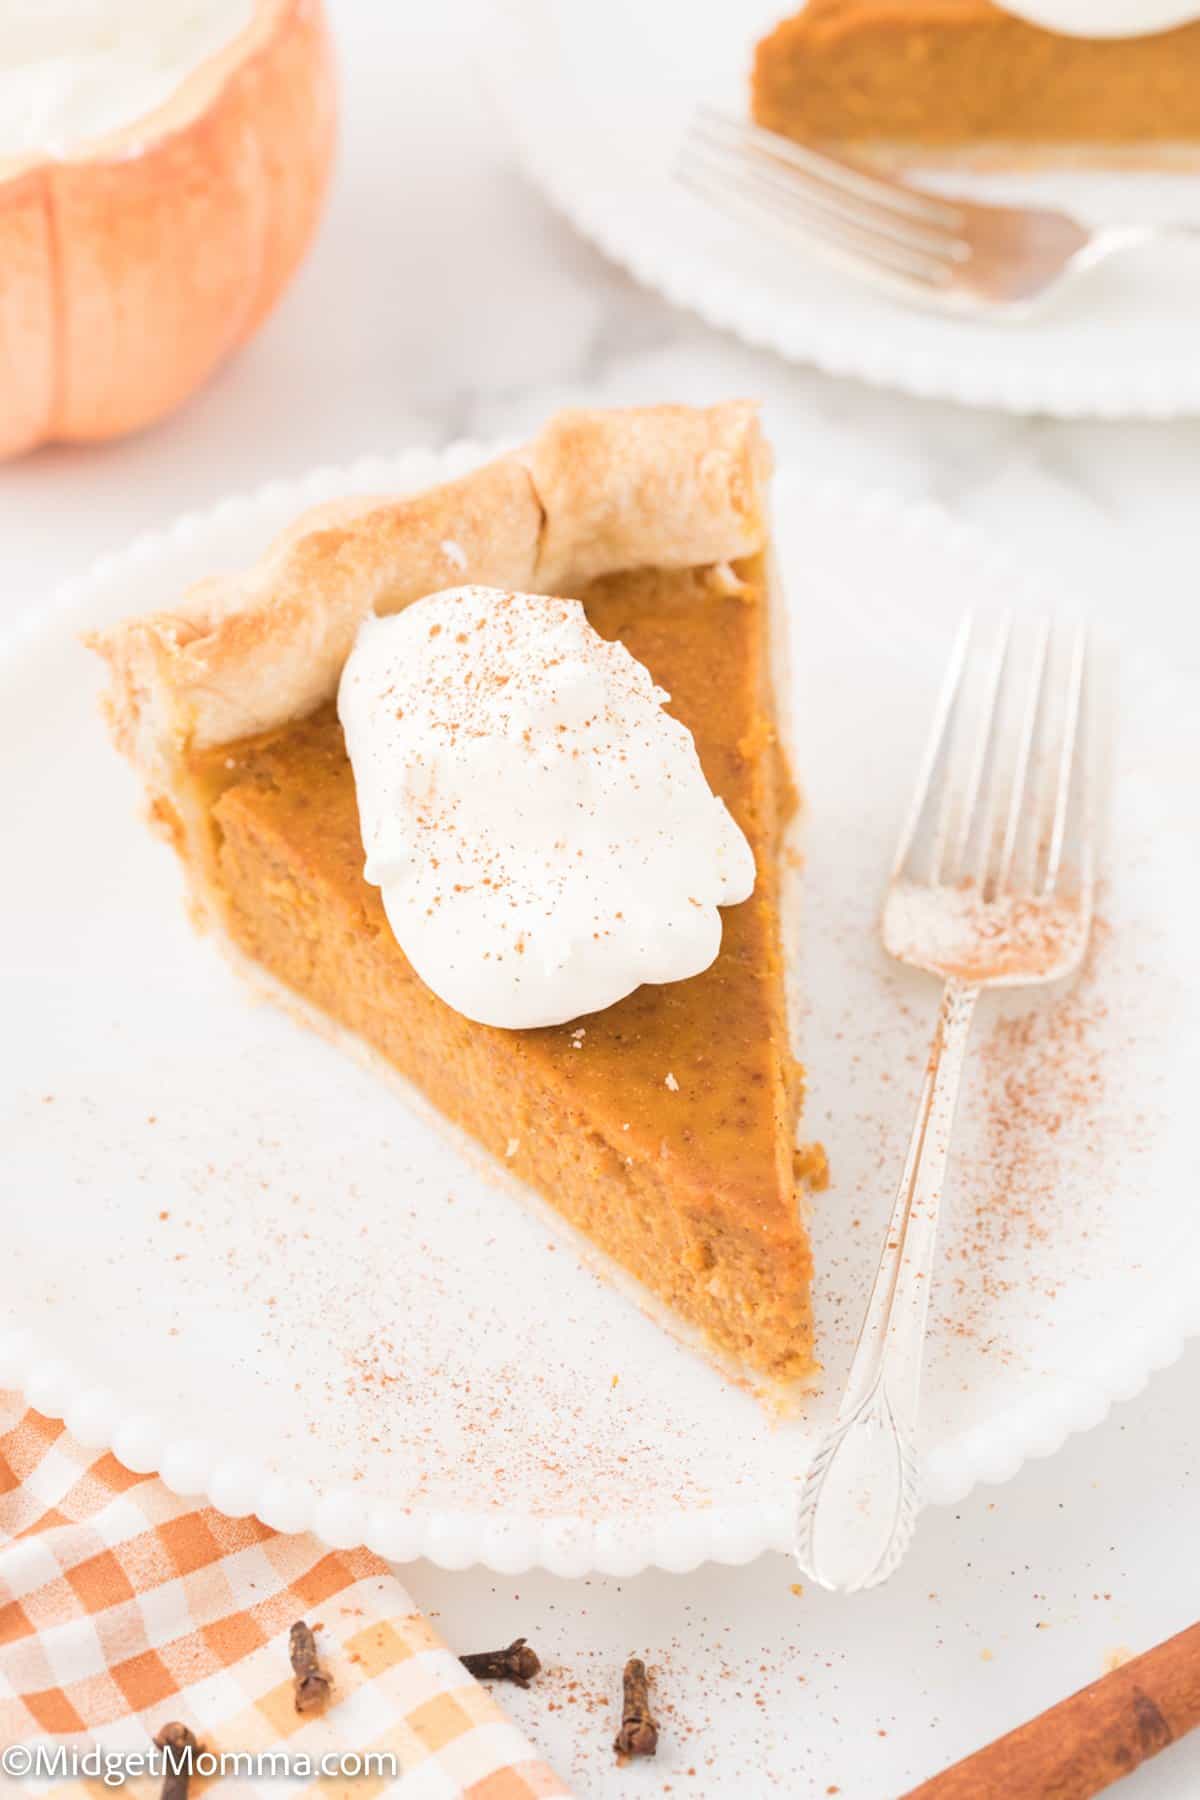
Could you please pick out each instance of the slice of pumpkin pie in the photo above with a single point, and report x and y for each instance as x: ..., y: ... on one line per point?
x: 487, y: 778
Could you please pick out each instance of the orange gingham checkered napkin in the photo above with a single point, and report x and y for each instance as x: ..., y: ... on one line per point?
x: 123, y: 1607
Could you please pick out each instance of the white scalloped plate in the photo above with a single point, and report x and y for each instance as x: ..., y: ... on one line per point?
x: 235, y: 1256
x: 594, y: 97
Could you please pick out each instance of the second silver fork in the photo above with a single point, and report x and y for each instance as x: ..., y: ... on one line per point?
x: 992, y: 887
x: 936, y: 249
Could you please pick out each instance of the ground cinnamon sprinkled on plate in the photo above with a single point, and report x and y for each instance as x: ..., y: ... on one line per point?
x: 1044, y: 1078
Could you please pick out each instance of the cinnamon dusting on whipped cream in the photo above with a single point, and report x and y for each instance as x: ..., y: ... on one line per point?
x: 540, y: 828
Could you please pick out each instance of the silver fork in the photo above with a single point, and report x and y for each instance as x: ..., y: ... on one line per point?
x: 939, y: 250
x: 991, y: 888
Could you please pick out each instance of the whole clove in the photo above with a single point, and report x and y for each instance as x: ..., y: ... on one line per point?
x: 516, y: 1662
x: 182, y: 1750
x: 638, y: 1735
x: 312, y: 1685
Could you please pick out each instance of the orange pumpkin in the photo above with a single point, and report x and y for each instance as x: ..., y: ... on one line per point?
x: 130, y: 271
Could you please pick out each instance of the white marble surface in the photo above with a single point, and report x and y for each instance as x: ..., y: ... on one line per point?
x: 444, y: 300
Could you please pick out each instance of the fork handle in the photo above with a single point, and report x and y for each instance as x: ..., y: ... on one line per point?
x: 858, y: 1505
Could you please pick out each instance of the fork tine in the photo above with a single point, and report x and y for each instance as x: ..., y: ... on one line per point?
x: 872, y: 210
x: 737, y: 190
x: 1025, y: 743
x: 939, y: 731
x: 847, y: 177
x: 1066, y: 759
x: 984, y: 746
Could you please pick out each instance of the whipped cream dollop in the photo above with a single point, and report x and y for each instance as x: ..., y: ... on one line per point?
x: 71, y: 70
x: 541, y: 830
x: 1104, y: 18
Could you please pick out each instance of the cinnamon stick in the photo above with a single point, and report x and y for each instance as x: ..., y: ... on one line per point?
x: 1085, y: 1743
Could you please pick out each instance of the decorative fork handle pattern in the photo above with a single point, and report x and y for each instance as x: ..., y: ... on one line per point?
x: 858, y: 1506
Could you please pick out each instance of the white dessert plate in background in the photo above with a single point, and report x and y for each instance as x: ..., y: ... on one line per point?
x: 237, y: 1257
x: 595, y: 97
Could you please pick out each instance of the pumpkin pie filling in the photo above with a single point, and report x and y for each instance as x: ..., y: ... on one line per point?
x: 590, y: 1121
x: 662, y: 1128
x: 957, y: 73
